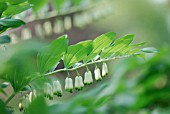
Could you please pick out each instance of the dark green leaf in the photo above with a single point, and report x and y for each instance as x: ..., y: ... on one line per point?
x: 3, y: 7
x: 2, y: 107
x: 100, y: 43
x: 118, y: 46
x: 4, y: 85
x: 11, y: 23
x: 77, y: 52
x: 5, y: 39
x: 52, y: 54
x: 16, y: 9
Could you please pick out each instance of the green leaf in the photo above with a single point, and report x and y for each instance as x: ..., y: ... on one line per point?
x: 52, y: 54
x: 11, y: 23
x: 118, y: 46
x: 15, y: 2
x: 150, y: 50
x: 2, y: 107
x: 38, y: 4
x: 76, y: 2
x: 4, y: 85
x: 16, y: 9
x: 77, y: 52
x: 38, y: 106
x: 100, y: 43
x: 5, y: 39
x: 3, y: 7
x: 58, y: 4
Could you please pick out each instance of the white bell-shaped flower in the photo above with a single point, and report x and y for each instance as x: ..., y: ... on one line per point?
x: 88, y: 78
x: 79, y: 83
x: 48, y: 90
x: 57, y: 90
x: 104, y: 69
x: 68, y: 84
x: 97, y: 74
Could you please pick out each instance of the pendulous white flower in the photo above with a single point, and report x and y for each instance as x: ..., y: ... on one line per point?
x: 69, y: 84
x: 79, y: 83
x: 57, y: 90
x: 104, y: 69
x: 88, y: 78
x: 97, y: 74
x: 48, y: 90
x: 21, y: 107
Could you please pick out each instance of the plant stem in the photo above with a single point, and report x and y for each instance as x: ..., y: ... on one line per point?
x: 98, y: 61
x: 10, y: 98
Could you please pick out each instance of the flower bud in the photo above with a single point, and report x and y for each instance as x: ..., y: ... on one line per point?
x: 97, y: 74
x: 88, y: 78
x: 69, y: 84
x: 21, y: 108
x: 57, y: 90
x: 79, y: 83
x: 104, y: 69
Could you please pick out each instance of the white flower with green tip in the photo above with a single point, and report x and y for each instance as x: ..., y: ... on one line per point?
x: 104, y: 69
x: 88, y: 78
x: 57, y: 90
x: 48, y: 90
x: 79, y: 83
x: 97, y: 74
x: 69, y: 84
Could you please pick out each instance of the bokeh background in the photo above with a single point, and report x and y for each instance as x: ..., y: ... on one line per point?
x: 134, y: 85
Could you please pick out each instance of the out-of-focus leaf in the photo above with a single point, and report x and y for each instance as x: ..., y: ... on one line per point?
x: 5, y: 39
x: 77, y: 52
x: 4, y: 85
x: 11, y: 23
x: 15, y: 2
x: 16, y: 9
x: 38, y: 4
x: 149, y: 50
x: 2, y: 91
x: 58, y: 4
x: 3, y: 7
x: 38, y: 106
x: 118, y: 46
x: 52, y: 54
x: 2, y: 107
x: 100, y: 43
x: 76, y: 2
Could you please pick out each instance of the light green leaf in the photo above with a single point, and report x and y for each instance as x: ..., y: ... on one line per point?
x: 149, y: 50
x: 16, y: 9
x: 5, y: 39
x: 77, y: 52
x: 118, y: 46
x: 52, y: 54
x: 11, y: 23
x: 76, y: 2
x: 15, y: 2
x: 100, y: 43
x: 38, y: 4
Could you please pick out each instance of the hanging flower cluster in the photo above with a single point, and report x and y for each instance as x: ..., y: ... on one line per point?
x: 26, y: 100
x: 56, y: 89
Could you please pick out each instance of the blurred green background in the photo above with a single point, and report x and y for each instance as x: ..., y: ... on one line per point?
x: 134, y: 85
